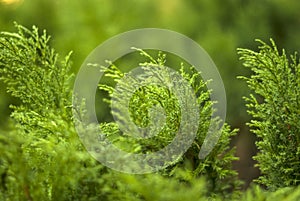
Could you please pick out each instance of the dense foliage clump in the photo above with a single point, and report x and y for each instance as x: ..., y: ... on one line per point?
x: 216, y: 167
x: 274, y: 106
x: 43, y: 159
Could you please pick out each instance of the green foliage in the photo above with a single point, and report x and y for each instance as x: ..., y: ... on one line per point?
x: 42, y: 157
x: 256, y: 193
x: 180, y: 187
x: 216, y: 167
x: 30, y: 69
x: 220, y: 28
x: 274, y: 107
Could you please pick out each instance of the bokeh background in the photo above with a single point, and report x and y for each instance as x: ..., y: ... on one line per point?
x: 219, y: 26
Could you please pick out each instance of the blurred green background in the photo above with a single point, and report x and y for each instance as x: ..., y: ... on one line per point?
x: 219, y: 26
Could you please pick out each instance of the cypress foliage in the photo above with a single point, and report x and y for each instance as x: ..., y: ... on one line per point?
x: 42, y: 157
x: 274, y: 107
